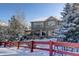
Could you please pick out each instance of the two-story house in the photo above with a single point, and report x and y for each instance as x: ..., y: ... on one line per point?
x: 44, y: 28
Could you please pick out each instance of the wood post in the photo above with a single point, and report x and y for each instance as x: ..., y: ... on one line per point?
x: 10, y: 43
x: 5, y: 43
x: 50, y: 48
x: 18, y: 44
x: 32, y: 45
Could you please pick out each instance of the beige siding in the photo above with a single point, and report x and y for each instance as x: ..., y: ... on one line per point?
x: 47, y: 26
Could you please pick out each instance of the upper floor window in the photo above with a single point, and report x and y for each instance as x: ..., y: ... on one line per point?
x: 51, y: 23
x: 38, y: 24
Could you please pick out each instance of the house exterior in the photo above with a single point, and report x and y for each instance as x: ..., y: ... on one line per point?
x: 45, y: 28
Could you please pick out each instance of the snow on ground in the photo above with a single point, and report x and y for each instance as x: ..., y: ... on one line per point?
x: 21, y: 52
x: 45, y: 39
x: 13, y: 51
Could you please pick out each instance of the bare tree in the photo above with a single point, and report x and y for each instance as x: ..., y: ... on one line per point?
x: 17, y: 24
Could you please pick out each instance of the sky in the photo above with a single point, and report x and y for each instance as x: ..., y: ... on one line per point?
x: 32, y: 11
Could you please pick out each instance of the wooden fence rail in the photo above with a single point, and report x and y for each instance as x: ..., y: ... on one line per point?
x: 51, y: 46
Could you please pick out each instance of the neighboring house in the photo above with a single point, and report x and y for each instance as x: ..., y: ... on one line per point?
x: 3, y: 31
x: 44, y: 28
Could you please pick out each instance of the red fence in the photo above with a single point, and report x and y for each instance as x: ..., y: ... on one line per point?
x: 51, y: 45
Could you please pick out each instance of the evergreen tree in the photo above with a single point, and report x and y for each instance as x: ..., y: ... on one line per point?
x: 71, y: 22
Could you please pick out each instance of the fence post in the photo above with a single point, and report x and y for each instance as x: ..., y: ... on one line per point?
x: 32, y: 45
x: 5, y: 44
x: 50, y: 48
x: 10, y: 44
x: 0, y: 43
x: 18, y: 43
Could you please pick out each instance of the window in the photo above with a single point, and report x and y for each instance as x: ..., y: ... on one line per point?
x: 38, y: 25
x: 51, y: 23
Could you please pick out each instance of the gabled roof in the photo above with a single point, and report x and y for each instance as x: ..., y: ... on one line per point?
x: 45, y: 19
x: 40, y: 19
x: 51, y: 18
x: 3, y: 24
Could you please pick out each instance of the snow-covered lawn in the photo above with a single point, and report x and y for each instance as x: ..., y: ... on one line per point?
x: 13, y: 51
x: 21, y: 52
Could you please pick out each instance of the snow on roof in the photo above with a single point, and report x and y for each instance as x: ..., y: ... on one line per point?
x: 3, y: 24
x: 41, y: 19
x: 58, y: 18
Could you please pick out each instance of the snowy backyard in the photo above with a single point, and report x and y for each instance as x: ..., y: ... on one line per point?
x: 21, y: 52
x: 13, y: 51
x: 52, y: 36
